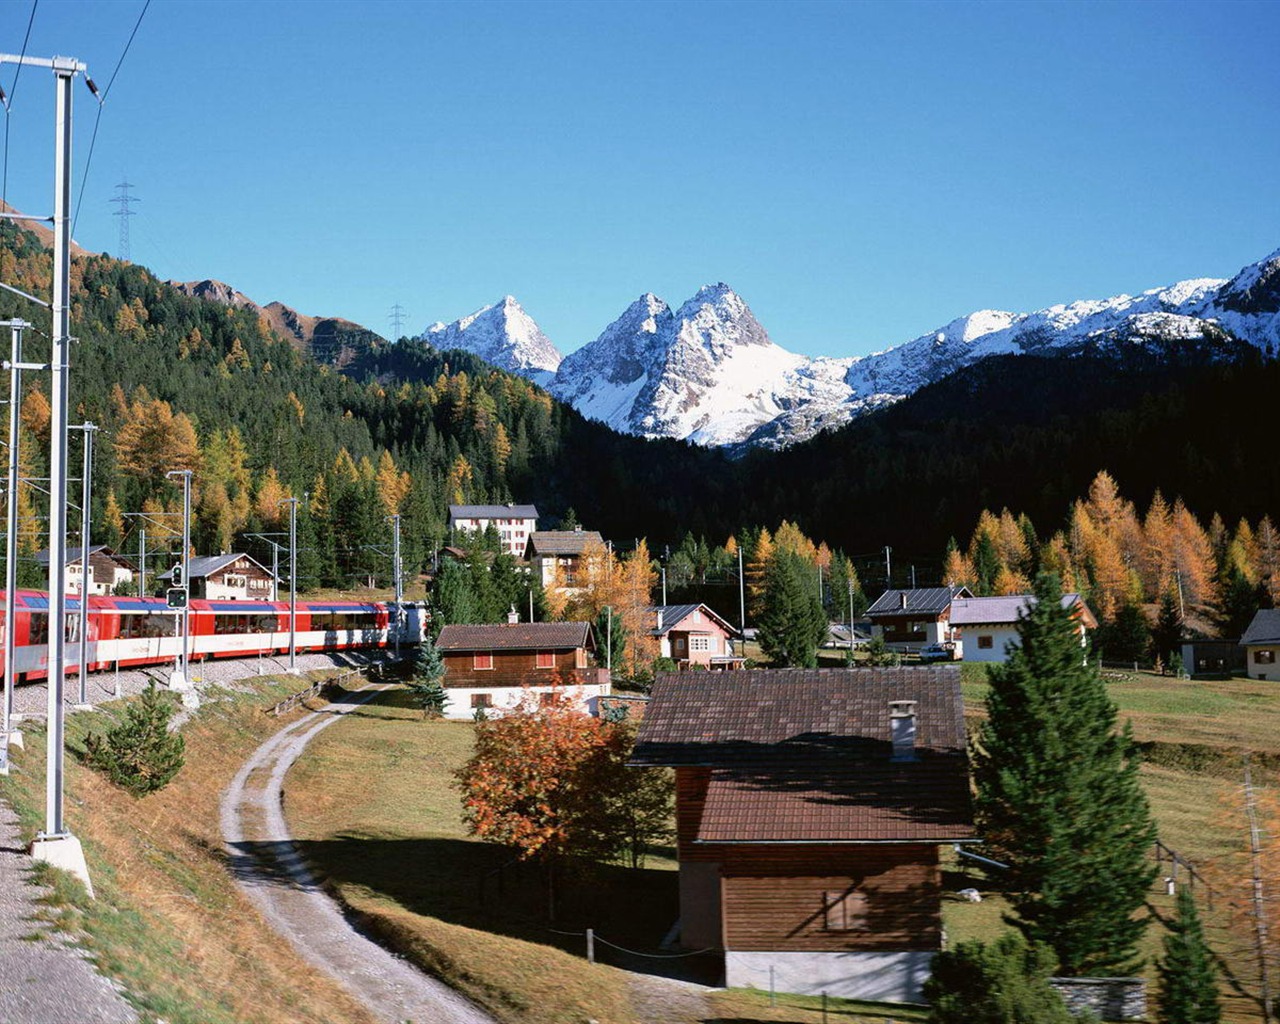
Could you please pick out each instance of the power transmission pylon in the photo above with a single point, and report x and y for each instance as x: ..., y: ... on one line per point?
x: 397, y: 317
x: 122, y: 200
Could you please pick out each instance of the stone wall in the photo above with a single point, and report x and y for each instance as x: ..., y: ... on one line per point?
x: 1109, y: 998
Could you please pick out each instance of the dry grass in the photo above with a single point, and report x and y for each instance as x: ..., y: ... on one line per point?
x: 168, y: 922
x: 748, y: 1006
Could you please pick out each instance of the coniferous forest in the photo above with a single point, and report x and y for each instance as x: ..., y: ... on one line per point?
x: 177, y: 382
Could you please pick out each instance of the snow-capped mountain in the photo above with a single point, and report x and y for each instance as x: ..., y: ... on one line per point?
x: 710, y: 373
x: 502, y: 334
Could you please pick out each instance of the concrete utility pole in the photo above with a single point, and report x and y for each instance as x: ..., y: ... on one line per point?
x: 11, y: 536
x: 142, y: 561
x: 742, y: 600
x: 888, y: 569
x: 86, y: 497
x: 55, y: 843
x: 180, y: 680
x: 293, y: 582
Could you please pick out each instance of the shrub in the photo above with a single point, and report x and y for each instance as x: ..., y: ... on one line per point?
x: 1002, y: 982
x: 139, y: 754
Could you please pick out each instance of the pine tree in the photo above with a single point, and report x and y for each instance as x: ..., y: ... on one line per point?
x: 140, y: 754
x: 1188, y: 980
x: 426, y: 686
x: 1167, y: 636
x: 1059, y: 799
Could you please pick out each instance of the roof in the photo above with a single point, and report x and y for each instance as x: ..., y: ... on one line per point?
x: 562, y: 542
x: 206, y: 565
x: 922, y: 601
x: 71, y: 554
x: 674, y: 614
x: 1264, y: 629
x: 1006, y: 610
x: 493, y: 512
x: 516, y: 636
x: 804, y: 755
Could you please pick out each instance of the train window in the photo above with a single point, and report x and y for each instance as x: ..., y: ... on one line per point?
x: 262, y: 623
x: 39, y: 629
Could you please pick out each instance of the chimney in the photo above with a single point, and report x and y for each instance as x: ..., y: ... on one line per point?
x: 513, y: 616
x: 902, y: 729
x: 902, y: 600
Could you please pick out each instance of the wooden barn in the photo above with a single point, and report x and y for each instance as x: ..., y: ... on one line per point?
x: 810, y: 805
x: 491, y: 666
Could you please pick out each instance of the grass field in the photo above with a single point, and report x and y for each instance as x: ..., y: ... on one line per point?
x: 168, y: 921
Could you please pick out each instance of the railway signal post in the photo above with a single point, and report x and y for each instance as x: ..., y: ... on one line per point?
x: 179, y: 679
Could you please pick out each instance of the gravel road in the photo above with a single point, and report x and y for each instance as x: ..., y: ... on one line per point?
x: 43, y: 979
x: 272, y: 872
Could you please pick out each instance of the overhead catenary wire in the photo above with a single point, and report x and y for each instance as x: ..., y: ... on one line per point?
x: 8, y: 104
x: 93, y: 139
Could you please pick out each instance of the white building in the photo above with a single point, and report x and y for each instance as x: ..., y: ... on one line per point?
x: 514, y: 523
x: 986, y: 628
x: 1261, y: 642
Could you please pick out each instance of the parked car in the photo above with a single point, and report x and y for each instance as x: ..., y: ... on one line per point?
x: 938, y: 652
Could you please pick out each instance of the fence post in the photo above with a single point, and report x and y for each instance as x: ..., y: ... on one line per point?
x: 824, y: 1006
x: 591, y: 945
x: 773, y: 998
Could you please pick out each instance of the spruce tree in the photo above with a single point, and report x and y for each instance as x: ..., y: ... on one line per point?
x: 140, y: 754
x: 1059, y: 799
x: 792, y: 622
x: 1188, y: 980
x: 426, y: 686
x: 1166, y: 637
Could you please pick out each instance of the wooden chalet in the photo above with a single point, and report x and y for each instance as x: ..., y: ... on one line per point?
x: 107, y: 569
x: 233, y: 577
x: 810, y: 805
x: 550, y: 550
x: 911, y: 619
x: 493, y: 666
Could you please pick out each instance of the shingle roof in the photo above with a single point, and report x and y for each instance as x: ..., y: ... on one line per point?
x: 987, y: 611
x: 207, y: 565
x: 562, y: 542
x: 801, y: 755
x: 493, y: 512
x: 924, y: 601
x: 543, y: 636
x: 72, y: 554
x: 1264, y: 629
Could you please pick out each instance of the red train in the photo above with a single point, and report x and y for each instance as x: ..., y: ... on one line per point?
x: 131, y: 631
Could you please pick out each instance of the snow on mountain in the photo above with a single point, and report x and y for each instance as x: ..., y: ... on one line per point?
x: 502, y: 334
x: 709, y: 372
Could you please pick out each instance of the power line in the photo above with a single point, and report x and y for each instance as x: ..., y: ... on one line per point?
x: 8, y: 103
x: 93, y: 139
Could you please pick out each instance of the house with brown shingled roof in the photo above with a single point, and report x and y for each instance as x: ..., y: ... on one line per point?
x: 494, y: 666
x: 810, y: 807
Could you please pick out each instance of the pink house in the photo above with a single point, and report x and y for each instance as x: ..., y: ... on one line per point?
x: 692, y: 634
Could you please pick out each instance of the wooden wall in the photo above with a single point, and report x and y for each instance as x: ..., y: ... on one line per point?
x: 510, y: 668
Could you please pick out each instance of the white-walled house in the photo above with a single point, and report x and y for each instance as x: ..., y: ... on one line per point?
x: 514, y: 523
x: 549, y: 551
x: 1261, y: 642
x: 107, y: 570
x: 986, y: 627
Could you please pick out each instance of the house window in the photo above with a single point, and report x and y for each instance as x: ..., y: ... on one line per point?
x: 985, y: 643
x: 482, y: 660
x: 548, y: 699
x: 699, y: 643
x: 1264, y: 657
x: 679, y: 643
x: 546, y: 659
x: 481, y: 700
x: 845, y: 910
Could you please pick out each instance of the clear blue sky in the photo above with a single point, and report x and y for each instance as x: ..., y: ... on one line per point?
x: 860, y: 172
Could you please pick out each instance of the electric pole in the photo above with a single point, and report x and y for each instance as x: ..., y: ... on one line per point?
x: 122, y: 200
x: 398, y: 582
x: 180, y: 680
x: 888, y: 571
x: 11, y: 537
x: 293, y: 582
x: 86, y: 497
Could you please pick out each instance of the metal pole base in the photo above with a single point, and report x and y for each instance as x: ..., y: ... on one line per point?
x: 13, y: 740
x: 178, y: 680
x: 65, y: 852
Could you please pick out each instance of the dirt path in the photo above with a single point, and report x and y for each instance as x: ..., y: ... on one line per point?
x: 273, y: 874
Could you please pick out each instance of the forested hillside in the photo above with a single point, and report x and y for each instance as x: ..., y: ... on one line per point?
x: 179, y: 382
